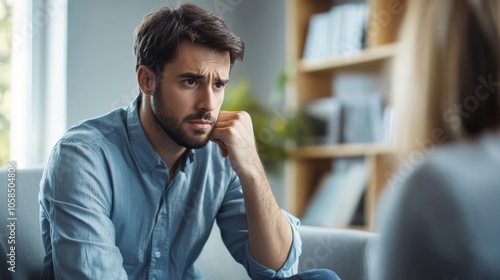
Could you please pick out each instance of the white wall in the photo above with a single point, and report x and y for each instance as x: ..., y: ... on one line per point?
x: 261, y: 24
x: 100, y: 55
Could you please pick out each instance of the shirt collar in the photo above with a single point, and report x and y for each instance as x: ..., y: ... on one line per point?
x: 144, y: 152
x: 190, y: 157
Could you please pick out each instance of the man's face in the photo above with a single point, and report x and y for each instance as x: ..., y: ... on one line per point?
x: 189, y: 93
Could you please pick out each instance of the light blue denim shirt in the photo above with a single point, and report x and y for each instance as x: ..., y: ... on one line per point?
x: 110, y: 211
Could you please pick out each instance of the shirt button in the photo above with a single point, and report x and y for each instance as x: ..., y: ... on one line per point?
x: 158, y: 254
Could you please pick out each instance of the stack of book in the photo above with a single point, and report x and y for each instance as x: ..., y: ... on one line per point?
x: 338, y: 32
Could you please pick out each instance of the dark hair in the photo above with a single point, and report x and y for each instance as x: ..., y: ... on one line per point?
x: 158, y: 36
x: 480, y: 62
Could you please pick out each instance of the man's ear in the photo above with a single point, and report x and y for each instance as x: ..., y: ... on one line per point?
x: 146, y: 80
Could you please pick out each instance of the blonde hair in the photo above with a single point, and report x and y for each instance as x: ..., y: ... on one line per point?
x: 446, y: 71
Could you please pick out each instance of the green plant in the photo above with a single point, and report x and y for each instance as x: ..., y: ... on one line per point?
x: 274, y: 128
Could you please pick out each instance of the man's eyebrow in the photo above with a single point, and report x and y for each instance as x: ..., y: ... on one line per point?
x: 199, y: 77
x: 191, y: 76
x: 224, y: 81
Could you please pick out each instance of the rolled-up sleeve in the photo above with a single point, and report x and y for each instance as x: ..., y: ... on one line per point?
x: 232, y: 222
x: 75, y: 202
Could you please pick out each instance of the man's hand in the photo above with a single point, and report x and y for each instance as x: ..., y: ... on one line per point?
x: 234, y: 135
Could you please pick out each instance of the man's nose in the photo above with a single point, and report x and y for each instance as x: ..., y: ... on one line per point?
x: 206, y: 99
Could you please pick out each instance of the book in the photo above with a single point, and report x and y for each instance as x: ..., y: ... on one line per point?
x: 375, y: 104
x: 355, y: 182
x: 316, y: 41
x: 320, y: 211
x: 336, y: 30
x: 338, y: 194
x: 355, y: 20
x: 388, y: 121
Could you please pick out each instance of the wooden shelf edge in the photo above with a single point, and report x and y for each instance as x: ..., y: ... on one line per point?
x: 342, y: 150
x: 356, y: 59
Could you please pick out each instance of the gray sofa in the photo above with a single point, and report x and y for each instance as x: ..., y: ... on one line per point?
x: 347, y: 252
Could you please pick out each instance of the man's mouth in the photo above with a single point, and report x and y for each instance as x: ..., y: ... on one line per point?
x: 200, y: 124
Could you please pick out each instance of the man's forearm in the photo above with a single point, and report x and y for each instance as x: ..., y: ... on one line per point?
x: 270, y: 233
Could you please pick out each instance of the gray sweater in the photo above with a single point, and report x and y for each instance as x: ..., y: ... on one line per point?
x: 443, y: 220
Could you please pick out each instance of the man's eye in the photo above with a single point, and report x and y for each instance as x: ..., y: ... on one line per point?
x: 219, y: 85
x: 189, y: 82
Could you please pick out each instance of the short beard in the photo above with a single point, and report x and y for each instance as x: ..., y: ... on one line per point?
x: 173, y: 127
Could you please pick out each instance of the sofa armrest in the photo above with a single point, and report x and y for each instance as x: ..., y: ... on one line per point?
x: 347, y: 252
x: 29, y: 251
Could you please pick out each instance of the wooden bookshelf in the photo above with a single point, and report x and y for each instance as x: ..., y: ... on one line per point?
x: 313, y: 80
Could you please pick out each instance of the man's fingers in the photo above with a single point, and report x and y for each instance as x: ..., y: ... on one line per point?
x: 226, y: 115
x: 222, y: 123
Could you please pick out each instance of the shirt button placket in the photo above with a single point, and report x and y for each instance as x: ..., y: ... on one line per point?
x: 158, y: 268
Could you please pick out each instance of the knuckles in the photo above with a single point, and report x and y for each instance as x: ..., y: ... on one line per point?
x: 242, y: 115
x: 239, y: 115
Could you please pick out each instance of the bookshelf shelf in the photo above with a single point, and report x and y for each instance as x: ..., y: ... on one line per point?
x: 342, y: 150
x: 361, y: 59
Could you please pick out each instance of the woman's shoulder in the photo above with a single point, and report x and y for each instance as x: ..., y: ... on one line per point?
x: 467, y: 164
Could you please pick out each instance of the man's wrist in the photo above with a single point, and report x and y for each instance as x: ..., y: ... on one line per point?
x: 251, y: 174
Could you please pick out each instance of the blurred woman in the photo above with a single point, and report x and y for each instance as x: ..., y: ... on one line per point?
x: 442, y: 219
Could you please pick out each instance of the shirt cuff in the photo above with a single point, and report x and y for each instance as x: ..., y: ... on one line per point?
x: 290, y: 266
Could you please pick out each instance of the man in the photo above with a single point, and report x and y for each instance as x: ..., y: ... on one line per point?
x: 134, y: 194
